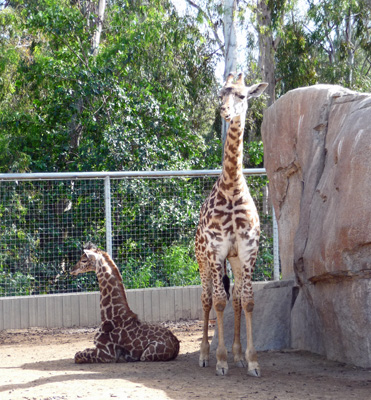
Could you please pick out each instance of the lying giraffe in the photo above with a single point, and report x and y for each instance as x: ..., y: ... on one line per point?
x: 229, y: 229
x: 121, y: 336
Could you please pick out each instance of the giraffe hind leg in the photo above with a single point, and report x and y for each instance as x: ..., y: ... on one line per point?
x: 123, y: 355
x: 247, y: 302
x: 206, y: 301
x: 236, y: 347
x: 158, y: 351
x: 220, y: 302
x: 104, y: 352
x: 205, y: 346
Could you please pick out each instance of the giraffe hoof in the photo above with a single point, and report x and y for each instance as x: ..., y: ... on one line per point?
x: 254, y: 372
x: 204, y: 363
x: 221, y: 370
x: 253, y: 369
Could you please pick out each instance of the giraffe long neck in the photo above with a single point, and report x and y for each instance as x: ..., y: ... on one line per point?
x: 232, y: 176
x: 113, y: 300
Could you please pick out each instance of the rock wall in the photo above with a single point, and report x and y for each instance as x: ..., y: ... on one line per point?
x: 317, y: 143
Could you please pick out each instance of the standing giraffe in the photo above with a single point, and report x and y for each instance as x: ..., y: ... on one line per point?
x: 121, y: 334
x: 229, y: 229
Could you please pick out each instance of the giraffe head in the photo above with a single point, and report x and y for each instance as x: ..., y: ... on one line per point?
x: 234, y: 96
x: 88, y: 260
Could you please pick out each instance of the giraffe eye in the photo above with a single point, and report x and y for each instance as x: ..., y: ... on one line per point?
x: 241, y: 96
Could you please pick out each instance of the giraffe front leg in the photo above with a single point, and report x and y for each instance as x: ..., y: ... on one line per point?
x: 85, y: 356
x: 104, y: 352
x: 247, y: 259
x: 251, y: 354
x: 236, y: 347
x: 221, y: 351
x: 94, y: 356
x: 220, y: 301
x: 247, y: 301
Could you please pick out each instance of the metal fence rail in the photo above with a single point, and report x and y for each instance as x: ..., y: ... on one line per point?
x: 145, y: 220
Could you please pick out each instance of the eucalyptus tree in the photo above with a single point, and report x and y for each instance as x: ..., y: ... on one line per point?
x: 221, y: 19
x: 340, y: 34
x: 329, y: 43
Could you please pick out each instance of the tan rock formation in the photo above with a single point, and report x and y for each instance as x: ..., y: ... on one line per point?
x: 317, y: 143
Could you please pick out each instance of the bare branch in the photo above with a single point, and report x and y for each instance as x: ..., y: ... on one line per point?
x: 207, y: 16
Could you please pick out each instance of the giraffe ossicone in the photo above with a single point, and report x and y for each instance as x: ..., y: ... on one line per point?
x: 229, y: 228
x: 121, y: 335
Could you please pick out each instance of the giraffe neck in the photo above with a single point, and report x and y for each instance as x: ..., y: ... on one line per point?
x: 232, y: 177
x: 113, y: 300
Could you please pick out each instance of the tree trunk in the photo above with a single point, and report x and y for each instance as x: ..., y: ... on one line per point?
x: 98, y: 28
x: 267, y: 46
x: 75, y: 126
x: 349, y: 32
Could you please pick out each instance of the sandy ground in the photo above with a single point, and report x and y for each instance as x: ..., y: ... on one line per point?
x: 38, y: 364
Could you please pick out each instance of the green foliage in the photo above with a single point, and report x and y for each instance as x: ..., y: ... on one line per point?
x: 330, y: 44
x: 138, y: 105
x: 176, y: 266
x: 147, y: 101
x: 256, y: 153
x: 342, y: 42
x: 296, y: 66
x: 180, y: 266
x: 15, y: 284
x: 264, y: 265
x: 43, y: 226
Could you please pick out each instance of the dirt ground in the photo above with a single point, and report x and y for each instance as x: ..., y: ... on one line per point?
x: 38, y: 364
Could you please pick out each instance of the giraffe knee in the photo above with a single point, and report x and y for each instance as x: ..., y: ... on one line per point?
x: 207, y: 302
x: 248, y: 305
x: 220, y: 303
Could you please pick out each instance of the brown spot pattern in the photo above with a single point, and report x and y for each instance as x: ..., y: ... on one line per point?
x: 121, y: 335
x: 228, y: 227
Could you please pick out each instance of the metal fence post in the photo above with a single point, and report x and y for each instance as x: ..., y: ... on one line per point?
x: 107, y: 204
x: 276, y: 250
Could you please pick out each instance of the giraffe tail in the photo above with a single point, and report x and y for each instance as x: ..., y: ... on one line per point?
x: 226, y: 281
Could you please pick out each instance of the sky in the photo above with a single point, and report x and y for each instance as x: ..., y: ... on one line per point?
x: 181, y: 6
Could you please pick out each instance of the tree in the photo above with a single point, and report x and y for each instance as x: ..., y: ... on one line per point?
x: 269, y: 19
x: 224, y: 15
x: 98, y: 26
x: 138, y: 103
x: 341, y: 39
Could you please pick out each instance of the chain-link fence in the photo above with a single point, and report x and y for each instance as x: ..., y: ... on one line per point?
x: 146, y: 222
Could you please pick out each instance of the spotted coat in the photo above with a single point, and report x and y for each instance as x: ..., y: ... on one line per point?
x: 121, y: 335
x: 229, y: 229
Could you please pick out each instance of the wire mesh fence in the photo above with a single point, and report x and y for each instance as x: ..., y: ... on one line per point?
x: 44, y: 224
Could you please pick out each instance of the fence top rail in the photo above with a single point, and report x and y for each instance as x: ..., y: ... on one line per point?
x: 118, y: 174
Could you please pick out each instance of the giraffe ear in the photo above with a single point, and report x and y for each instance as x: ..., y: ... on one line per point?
x: 256, y: 90
x: 229, y: 78
x: 240, y: 79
